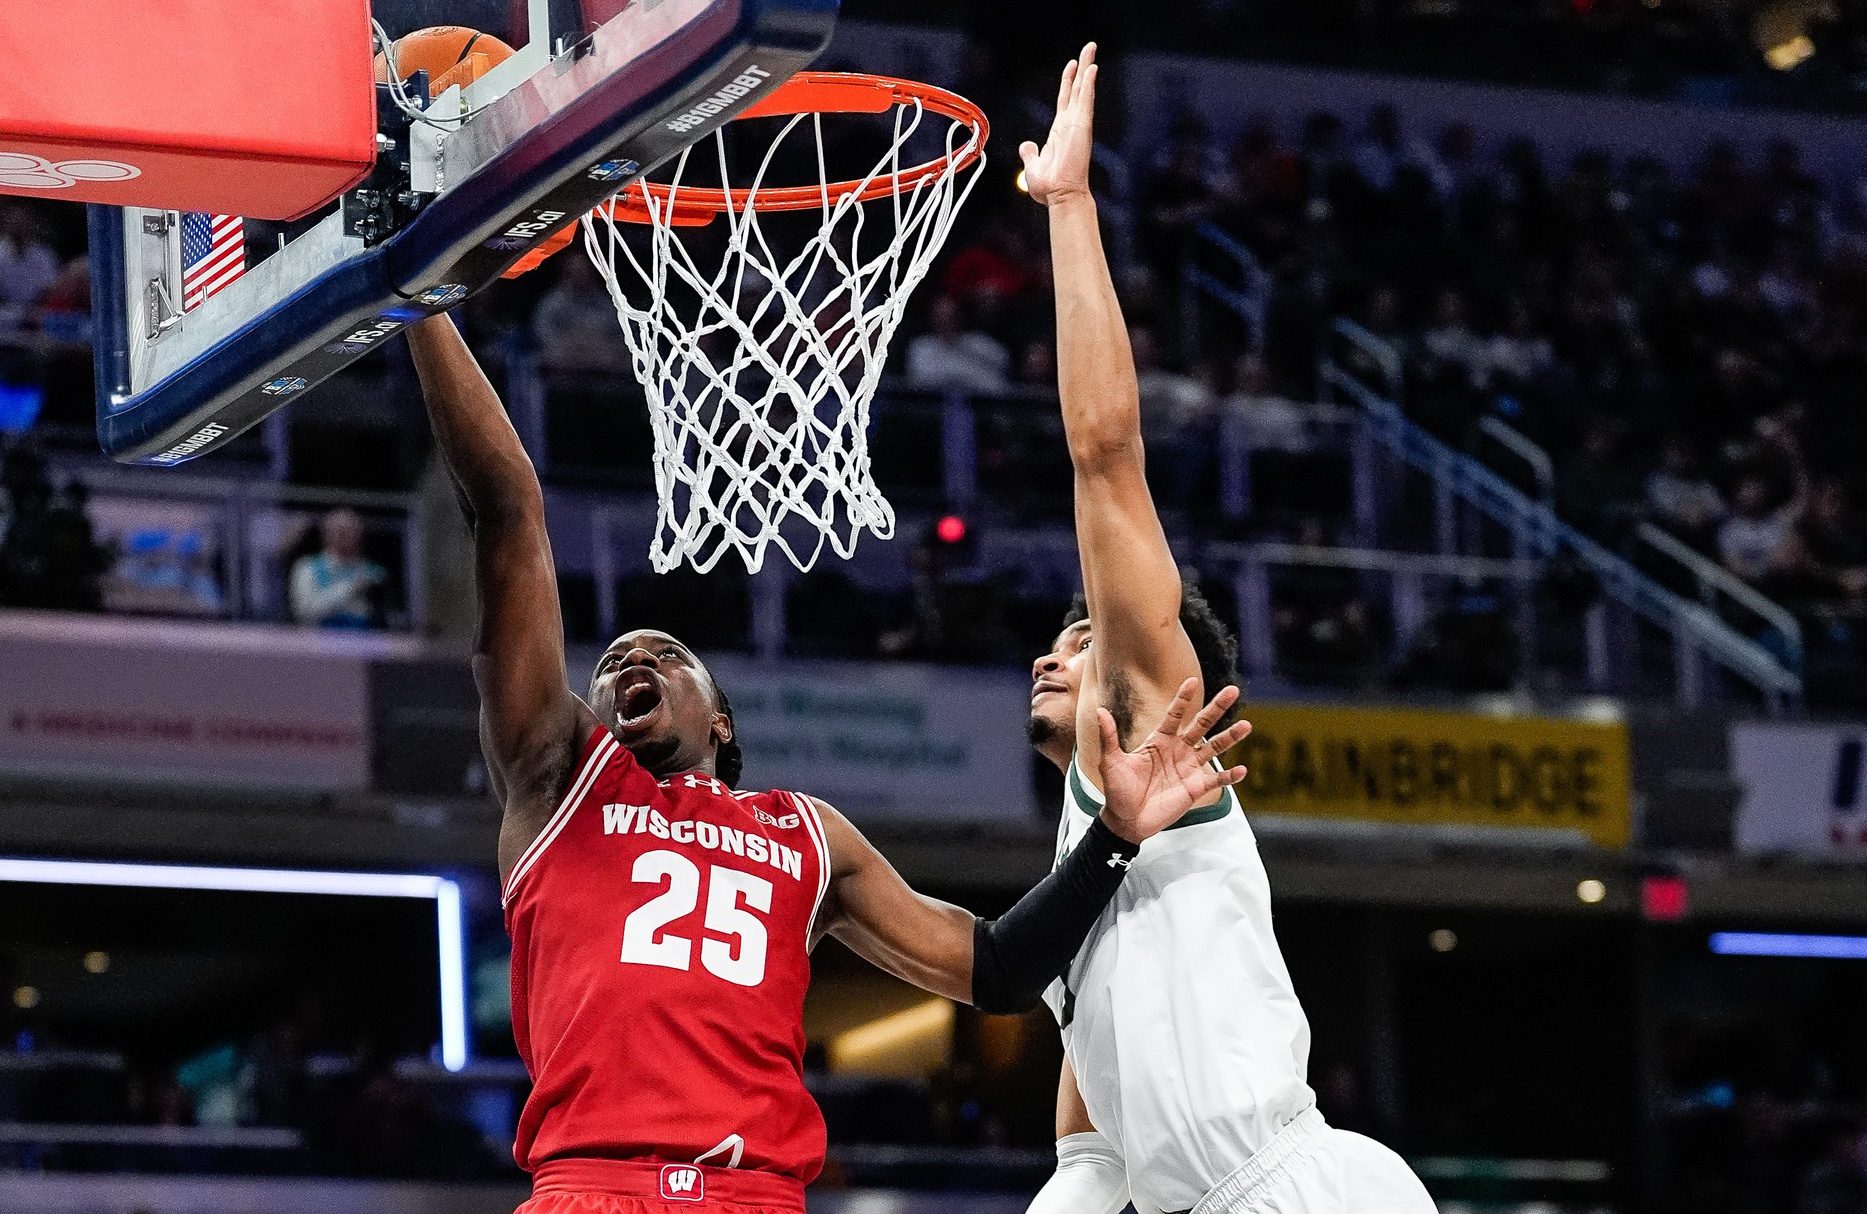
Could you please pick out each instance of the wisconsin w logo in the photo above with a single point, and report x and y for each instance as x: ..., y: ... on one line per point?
x: 682, y: 1183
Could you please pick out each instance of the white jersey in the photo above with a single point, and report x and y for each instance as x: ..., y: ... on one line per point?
x: 1178, y: 1015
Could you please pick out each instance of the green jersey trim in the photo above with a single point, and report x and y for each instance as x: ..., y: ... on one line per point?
x: 1085, y: 798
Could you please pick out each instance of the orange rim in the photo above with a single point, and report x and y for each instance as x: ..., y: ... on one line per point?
x: 817, y: 93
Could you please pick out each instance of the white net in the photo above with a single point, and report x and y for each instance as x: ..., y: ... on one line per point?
x: 760, y: 362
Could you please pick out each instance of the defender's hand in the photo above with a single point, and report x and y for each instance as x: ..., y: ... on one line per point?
x: 1171, y: 771
x: 1060, y: 170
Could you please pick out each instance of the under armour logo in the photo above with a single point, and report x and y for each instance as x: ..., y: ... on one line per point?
x: 1121, y: 861
x: 682, y: 1184
x: 25, y: 171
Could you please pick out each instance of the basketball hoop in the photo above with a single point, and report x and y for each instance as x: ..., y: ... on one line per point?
x: 760, y: 369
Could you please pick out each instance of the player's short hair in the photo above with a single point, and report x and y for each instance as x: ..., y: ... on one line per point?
x: 729, y: 760
x: 1213, y: 645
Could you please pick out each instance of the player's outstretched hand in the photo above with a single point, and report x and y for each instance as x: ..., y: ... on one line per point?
x: 1171, y: 772
x: 1060, y: 169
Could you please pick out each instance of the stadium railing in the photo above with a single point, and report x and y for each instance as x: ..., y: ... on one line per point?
x: 1227, y: 272
x: 1699, y: 637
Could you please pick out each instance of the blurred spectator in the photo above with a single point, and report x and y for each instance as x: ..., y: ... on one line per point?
x: 1830, y: 537
x: 1450, y: 351
x: 954, y: 358
x: 1178, y: 421
x: 1750, y: 542
x: 1178, y: 198
x: 1597, y: 487
x: 1260, y: 418
x: 1037, y: 367
x: 336, y: 587
x: 1517, y: 358
x: 998, y: 266
x: 49, y: 557
x: 575, y: 326
x: 65, y: 308
x: 1383, y: 152
x: 1684, y: 501
x: 28, y: 266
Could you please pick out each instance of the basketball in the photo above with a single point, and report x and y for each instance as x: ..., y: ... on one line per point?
x: 450, y: 54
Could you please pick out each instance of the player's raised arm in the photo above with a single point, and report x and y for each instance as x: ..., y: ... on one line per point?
x: 1130, y: 579
x: 530, y: 721
x: 1004, y: 964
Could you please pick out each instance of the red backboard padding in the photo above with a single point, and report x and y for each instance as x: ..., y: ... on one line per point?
x: 263, y: 108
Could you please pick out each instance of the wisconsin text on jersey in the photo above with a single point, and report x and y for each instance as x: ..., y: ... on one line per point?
x: 644, y: 819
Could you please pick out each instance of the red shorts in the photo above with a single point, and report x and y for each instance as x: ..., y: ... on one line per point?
x: 609, y: 1186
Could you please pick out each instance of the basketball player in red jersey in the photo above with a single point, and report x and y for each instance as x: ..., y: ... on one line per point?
x: 662, y: 921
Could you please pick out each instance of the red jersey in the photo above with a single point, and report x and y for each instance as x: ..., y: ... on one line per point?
x: 660, y: 934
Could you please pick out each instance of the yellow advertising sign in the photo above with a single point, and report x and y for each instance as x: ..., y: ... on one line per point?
x: 1426, y: 768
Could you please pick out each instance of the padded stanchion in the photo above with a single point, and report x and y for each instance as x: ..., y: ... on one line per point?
x: 267, y: 111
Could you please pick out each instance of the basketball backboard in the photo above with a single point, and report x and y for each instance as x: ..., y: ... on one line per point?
x: 598, y: 92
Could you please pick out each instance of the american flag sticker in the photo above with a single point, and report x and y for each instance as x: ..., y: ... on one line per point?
x: 213, y: 255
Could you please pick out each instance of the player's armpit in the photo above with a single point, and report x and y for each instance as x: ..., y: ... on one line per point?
x: 870, y: 908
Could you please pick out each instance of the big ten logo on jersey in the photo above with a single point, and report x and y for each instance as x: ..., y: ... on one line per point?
x: 779, y: 821
x: 679, y: 1182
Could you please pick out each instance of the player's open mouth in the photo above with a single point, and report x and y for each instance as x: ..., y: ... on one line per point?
x: 1044, y: 687
x: 637, y: 703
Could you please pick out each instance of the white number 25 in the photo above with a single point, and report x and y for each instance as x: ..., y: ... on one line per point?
x: 729, y: 895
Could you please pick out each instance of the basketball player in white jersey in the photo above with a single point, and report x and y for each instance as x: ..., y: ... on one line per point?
x: 1185, y: 1049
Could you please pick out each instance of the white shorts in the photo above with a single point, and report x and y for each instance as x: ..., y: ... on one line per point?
x: 1312, y: 1168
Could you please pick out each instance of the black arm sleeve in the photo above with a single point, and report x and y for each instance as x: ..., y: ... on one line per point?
x: 1017, y: 955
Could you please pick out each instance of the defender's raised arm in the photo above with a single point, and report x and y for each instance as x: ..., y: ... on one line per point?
x: 530, y: 721
x: 1141, y: 653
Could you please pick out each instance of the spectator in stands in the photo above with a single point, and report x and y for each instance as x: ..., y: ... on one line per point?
x: 1178, y: 198
x: 1751, y: 540
x: 28, y: 266
x: 1258, y: 417
x: 1682, y: 499
x: 955, y: 358
x: 1037, y: 366
x: 1384, y: 151
x: 575, y: 325
x: 1830, y: 538
x: 49, y: 557
x: 1323, y: 158
x: 997, y: 267
x: 1451, y: 353
x: 1261, y: 176
x: 1178, y: 417
x: 65, y: 308
x: 337, y: 586
x: 1597, y: 488
x: 1518, y: 358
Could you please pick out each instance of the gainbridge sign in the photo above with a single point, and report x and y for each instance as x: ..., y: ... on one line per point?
x: 1413, y: 767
